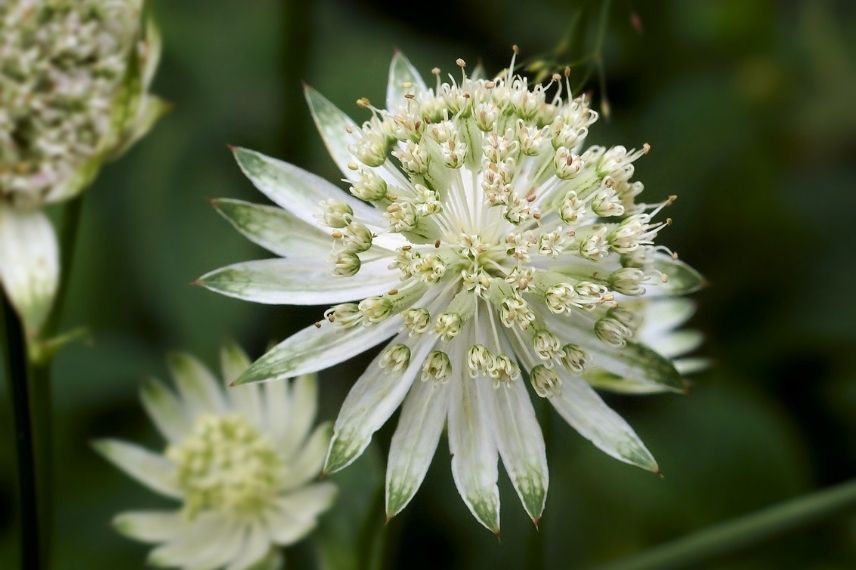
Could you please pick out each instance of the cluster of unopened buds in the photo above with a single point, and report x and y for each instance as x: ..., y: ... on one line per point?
x: 486, y: 190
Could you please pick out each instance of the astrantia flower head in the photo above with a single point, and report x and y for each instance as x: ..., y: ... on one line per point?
x: 241, y: 463
x: 494, y: 247
x: 74, y: 76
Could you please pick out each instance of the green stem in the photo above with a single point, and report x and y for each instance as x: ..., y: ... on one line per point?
x: 40, y: 378
x: 17, y: 375
x: 719, y: 540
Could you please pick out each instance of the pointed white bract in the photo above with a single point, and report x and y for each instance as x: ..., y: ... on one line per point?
x: 74, y: 76
x: 242, y: 466
x: 29, y: 263
x: 512, y: 252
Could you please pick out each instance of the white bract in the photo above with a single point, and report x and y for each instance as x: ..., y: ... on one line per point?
x: 241, y: 463
x: 73, y: 81
x: 492, y: 247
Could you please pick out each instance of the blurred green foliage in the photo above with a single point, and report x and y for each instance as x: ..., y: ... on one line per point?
x: 749, y: 109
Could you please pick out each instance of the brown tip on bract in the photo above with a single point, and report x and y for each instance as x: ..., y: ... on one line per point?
x: 537, y: 522
x: 386, y: 518
x: 231, y: 147
x: 196, y: 283
x: 498, y: 534
x: 212, y: 200
x: 395, y: 50
x: 659, y: 473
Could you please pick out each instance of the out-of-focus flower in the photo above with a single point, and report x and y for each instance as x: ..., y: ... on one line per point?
x: 74, y: 76
x: 661, y: 322
x: 659, y: 329
x: 241, y: 463
x: 493, y: 246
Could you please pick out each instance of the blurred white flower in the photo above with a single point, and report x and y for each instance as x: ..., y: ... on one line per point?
x: 661, y: 320
x: 241, y: 463
x: 494, y: 248
x: 73, y: 93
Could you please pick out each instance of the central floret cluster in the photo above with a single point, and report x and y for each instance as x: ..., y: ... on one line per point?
x: 499, y: 214
x: 227, y: 465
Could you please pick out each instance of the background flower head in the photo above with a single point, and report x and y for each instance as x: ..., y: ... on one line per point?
x: 240, y: 461
x: 74, y: 77
x: 494, y: 247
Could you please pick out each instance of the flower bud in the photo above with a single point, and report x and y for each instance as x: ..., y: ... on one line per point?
x: 346, y: 264
x: 479, y: 359
x: 545, y: 344
x: 337, y: 214
x: 574, y: 358
x: 503, y: 370
x: 375, y: 309
x: 572, y: 208
x: 606, y: 201
x: 358, y: 238
x: 545, y: 381
x: 568, y: 165
x: 369, y: 187
x: 612, y: 331
x: 345, y: 315
x: 396, y: 357
x: 627, y: 281
x: 371, y: 148
x: 436, y: 367
x: 448, y: 325
x: 417, y: 320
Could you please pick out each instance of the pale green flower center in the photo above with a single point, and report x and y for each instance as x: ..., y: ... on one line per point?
x: 226, y: 465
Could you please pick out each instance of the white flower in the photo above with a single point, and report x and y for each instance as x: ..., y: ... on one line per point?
x: 73, y: 81
x: 506, y: 251
x: 660, y: 321
x: 241, y: 464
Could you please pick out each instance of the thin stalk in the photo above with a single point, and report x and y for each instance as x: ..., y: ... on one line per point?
x: 729, y: 537
x: 17, y: 375
x: 40, y: 378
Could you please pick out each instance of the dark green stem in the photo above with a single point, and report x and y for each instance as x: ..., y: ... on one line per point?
x: 726, y: 538
x: 17, y: 375
x: 41, y: 395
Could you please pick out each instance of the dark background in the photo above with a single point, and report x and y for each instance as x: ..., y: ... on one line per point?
x: 748, y: 107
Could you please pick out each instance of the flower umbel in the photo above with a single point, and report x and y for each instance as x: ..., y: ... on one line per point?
x: 74, y: 76
x: 241, y: 466
x: 496, y: 249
